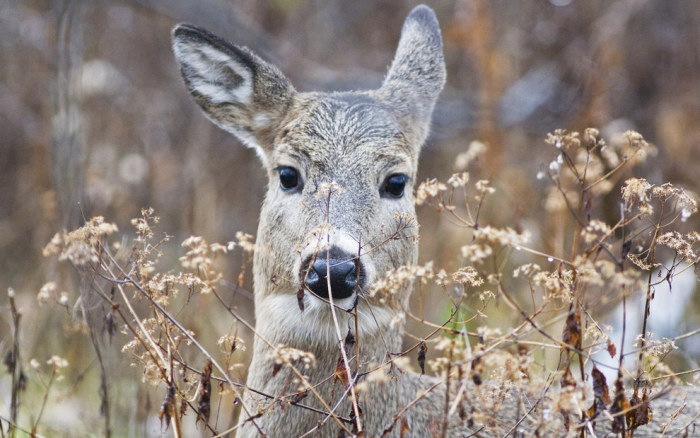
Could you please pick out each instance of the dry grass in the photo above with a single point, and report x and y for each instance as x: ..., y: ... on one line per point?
x: 556, y: 300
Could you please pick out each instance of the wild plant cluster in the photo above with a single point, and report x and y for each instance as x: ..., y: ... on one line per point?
x: 541, y: 374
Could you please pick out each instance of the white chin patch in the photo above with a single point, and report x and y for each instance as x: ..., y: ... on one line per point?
x: 343, y: 303
x: 315, y: 324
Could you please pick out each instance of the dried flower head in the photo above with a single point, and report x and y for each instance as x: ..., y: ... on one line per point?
x: 596, y: 230
x: 467, y: 276
x: 555, y: 201
x: 683, y: 245
x: 429, y: 189
x: 401, y: 278
x: 229, y: 343
x: 527, y: 270
x: 654, y: 347
x: 245, y: 241
x: 476, y: 252
x: 560, y: 139
x: 685, y: 202
x: 292, y: 357
x: 483, y: 186
x: 404, y: 219
x: 475, y: 150
x: 501, y: 236
x: 46, y: 293
x: 57, y: 362
x: 458, y: 180
x: 636, y: 194
x: 633, y: 147
x: 200, y: 258
x: 83, y: 245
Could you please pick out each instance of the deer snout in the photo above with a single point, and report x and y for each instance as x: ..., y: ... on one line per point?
x: 339, y: 269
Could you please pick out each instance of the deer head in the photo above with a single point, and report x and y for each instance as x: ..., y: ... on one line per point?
x: 341, y: 169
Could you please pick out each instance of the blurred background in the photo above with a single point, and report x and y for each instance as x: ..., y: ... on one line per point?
x: 95, y: 120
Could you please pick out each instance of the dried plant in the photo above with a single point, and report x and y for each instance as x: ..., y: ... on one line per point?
x: 489, y: 369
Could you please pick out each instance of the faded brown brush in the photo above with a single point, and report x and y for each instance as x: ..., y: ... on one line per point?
x: 508, y: 335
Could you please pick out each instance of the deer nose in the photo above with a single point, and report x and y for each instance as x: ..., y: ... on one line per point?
x: 345, y: 274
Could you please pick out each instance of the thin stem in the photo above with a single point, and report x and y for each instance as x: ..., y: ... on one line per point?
x: 341, y: 342
x: 45, y: 398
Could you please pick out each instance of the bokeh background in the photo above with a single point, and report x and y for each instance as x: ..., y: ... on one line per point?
x: 95, y: 120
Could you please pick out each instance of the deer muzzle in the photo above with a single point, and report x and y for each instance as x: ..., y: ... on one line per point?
x: 333, y: 273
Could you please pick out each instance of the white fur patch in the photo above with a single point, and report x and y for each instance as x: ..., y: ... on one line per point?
x: 344, y: 241
x: 261, y: 120
x: 214, y: 68
x: 282, y: 316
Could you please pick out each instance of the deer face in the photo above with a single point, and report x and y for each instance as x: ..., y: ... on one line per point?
x: 341, y: 168
x: 340, y: 185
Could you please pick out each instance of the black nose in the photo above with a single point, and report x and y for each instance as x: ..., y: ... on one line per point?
x: 345, y: 273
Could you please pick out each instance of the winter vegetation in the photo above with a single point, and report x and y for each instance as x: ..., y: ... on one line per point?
x: 555, y: 291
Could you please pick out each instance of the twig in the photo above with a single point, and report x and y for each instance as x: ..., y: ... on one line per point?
x: 44, y: 399
x: 341, y: 342
x: 14, y: 426
x: 14, y: 364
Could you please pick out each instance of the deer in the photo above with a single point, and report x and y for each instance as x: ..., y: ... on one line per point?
x: 337, y: 216
x: 347, y: 160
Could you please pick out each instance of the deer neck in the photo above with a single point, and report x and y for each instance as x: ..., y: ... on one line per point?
x: 280, y: 320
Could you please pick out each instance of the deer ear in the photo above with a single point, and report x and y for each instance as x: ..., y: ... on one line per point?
x: 417, y: 74
x: 236, y: 89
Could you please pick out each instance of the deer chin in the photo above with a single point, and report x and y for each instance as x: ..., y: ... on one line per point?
x: 316, y: 325
x: 341, y: 305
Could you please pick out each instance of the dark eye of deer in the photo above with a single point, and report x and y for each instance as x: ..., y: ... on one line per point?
x: 394, y: 185
x: 289, y: 178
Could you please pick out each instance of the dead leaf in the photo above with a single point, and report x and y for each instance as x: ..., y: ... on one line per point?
x: 572, y: 329
x: 276, y: 367
x: 619, y: 405
x: 341, y: 373
x: 641, y: 413
x: 600, y: 386
x: 300, y: 299
x: 300, y: 396
x: 568, y: 379
x: 349, y: 341
x: 204, y: 405
x: 183, y: 409
x: 422, y: 349
x: 601, y: 393
x: 110, y: 327
x: 612, y: 350
x: 404, y: 427
x: 477, y: 368
x: 462, y: 412
x: 167, y: 409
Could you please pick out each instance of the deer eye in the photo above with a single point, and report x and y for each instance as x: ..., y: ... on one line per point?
x: 289, y: 178
x: 394, y: 185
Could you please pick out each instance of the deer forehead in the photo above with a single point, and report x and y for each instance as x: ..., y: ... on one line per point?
x: 343, y: 131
